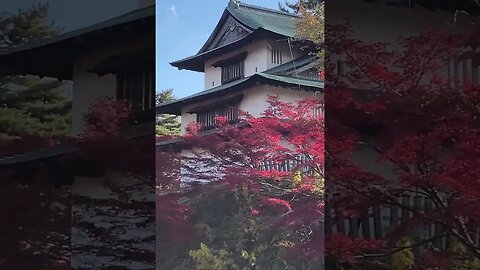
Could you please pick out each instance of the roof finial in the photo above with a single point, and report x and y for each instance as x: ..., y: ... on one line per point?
x: 234, y: 3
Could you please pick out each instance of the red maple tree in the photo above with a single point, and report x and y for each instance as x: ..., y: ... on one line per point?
x: 277, y: 156
x: 402, y: 151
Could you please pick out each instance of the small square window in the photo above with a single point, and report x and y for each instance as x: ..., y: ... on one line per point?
x: 276, y: 56
x: 232, y: 72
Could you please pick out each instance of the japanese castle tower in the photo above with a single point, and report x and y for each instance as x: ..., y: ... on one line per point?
x: 251, y: 54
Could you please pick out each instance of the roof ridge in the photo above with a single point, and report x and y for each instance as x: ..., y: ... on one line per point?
x: 129, y: 13
x: 245, y: 5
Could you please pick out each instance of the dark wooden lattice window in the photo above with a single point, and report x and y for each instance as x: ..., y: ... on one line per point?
x: 233, y: 71
x: 464, y: 69
x: 138, y: 88
x: 207, y: 117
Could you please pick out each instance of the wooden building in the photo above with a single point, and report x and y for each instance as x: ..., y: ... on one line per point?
x: 112, y: 215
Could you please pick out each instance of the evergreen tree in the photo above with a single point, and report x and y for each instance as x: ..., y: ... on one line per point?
x: 35, y: 235
x: 166, y: 124
x: 27, y: 25
x: 30, y: 105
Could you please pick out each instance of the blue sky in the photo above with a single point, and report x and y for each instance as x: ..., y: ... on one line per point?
x: 183, y: 26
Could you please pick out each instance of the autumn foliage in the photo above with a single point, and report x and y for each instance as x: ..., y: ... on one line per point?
x: 402, y: 141
x: 273, y: 165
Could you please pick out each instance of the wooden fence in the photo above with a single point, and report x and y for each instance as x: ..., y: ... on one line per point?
x: 380, y: 220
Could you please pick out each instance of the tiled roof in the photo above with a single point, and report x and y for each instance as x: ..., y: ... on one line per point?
x: 292, y: 65
x: 44, y: 153
x: 167, y: 107
x: 130, y: 133
x: 256, y: 17
x: 263, y: 22
x: 293, y: 81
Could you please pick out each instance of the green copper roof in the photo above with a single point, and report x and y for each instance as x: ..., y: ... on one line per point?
x: 256, y: 17
x: 293, y: 65
x: 262, y: 22
x: 174, y: 107
x: 293, y: 81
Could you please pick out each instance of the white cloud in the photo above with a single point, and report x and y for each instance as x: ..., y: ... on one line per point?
x: 173, y: 10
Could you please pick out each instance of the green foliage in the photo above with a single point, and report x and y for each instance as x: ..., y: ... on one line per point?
x: 207, y: 259
x: 30, y: 105
x: 403, y: 259
x: 35, y: 107
x: 312, y: 28
x: 166, y: 124
x: 27, y: 25
x: 464, y: 260
x: 229, y: 237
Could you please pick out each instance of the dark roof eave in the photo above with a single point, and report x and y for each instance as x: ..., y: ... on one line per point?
x: 130, y: 133
x: 121, y: 62
x: 174, y: 107
x: 117, y: 21
x: 178, y: 143
x: 59, y: 50
x: 197, y: 62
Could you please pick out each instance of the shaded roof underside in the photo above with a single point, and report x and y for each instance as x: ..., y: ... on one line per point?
x: 130, y: 133
x: 53, y: 57
x: 197, y: 62
x: 132, y: 61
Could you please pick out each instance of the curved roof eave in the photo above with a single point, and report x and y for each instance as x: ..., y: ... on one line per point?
x: 174, y: 107
x: 195, y: 62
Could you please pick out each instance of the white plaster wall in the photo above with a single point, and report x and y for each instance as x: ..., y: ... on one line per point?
x: 187, y: 118
x: 89, y: 87
x: 256, y: 61
x: 287, y: 52
x: 254, y: 101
